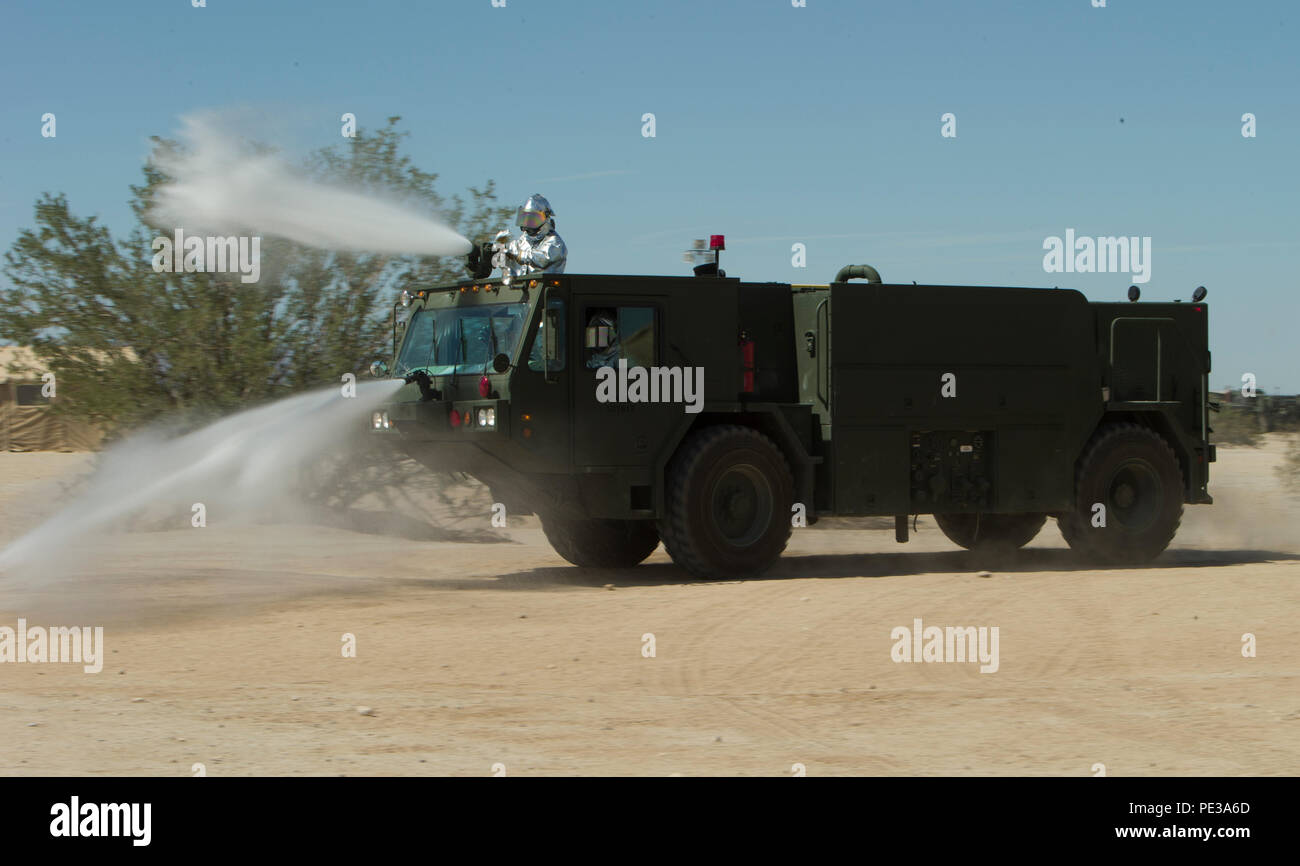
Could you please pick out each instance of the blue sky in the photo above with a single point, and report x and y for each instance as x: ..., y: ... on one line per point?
x: 774, y: 125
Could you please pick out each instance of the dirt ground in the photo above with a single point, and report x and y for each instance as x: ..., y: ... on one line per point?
x: 224, y: 649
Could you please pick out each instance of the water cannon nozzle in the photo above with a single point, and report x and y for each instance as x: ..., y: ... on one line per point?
x: 427, y: 391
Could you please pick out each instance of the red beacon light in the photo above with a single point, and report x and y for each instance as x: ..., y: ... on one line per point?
x: 484, y: 387
x: 705, y: 258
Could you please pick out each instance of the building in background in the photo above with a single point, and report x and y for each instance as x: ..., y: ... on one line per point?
x: 28, y: 421
x: 1272, y: 412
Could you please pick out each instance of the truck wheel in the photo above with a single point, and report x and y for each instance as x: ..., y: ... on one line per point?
x: 1133, y: 472
x: 729, y: 497
x: 601, y: 543
x: 986, y: 532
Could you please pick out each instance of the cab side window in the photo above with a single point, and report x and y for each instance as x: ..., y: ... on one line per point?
x: 637, y: 325
x: 554, y: 321
x: 627, y: 333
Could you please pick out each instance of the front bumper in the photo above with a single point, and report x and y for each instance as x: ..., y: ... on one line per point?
x: 432, y: 421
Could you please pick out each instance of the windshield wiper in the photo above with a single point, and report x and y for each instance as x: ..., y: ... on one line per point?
x: 403, y: 366
x: 433, y: 343
x: 420, y: 375
x: 492, y: 345
x: 460, y: 343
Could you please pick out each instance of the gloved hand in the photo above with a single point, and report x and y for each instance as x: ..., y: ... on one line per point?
x: 502, y: 248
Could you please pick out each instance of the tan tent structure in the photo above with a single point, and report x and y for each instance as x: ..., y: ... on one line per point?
x: 26, y: 420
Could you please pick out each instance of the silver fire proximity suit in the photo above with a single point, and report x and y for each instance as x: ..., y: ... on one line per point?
x: 538, y: 249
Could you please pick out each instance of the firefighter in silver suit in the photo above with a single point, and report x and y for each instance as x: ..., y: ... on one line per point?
x: 538, y: 249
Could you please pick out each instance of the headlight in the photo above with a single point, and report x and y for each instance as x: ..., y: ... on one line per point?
x: 379, y: 421
x: 492, y: 417
x: 482, y: 417
x: 405, y: 298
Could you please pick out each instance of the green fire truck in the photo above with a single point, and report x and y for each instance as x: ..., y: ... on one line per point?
x: 715, y: 415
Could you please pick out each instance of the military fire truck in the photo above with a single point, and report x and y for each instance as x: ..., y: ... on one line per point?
x: 714, y: 414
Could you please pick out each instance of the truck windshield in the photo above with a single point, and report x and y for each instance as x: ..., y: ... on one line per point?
x: 461, y: 339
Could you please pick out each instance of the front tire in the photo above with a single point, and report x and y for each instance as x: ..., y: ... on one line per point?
x: 729, y: 499
x: 1134, y: 474
x: 601, y: 543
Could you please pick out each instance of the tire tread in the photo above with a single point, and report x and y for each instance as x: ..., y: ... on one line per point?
x: 1076, y: 527
x: 673, y: 529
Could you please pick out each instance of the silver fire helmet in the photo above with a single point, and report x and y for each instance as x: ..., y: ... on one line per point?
x: 534, y: 213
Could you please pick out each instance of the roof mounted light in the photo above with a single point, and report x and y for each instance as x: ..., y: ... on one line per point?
x: 704, y: 257
x: 405, y: 298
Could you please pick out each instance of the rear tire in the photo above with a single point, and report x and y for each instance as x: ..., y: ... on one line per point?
x: 1133, y: 472
x: 729, y: 499
x: 990, y: 532
x: 601, y: 543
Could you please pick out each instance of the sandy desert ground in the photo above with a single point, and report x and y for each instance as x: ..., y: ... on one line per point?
x: 224, y: 649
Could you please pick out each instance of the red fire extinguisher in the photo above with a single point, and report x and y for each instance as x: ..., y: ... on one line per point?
x: 747, y: 363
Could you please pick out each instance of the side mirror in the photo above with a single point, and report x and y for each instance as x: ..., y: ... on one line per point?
x: 501, y: 362
x: 379, y: 370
